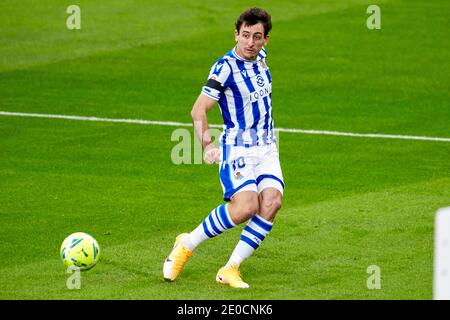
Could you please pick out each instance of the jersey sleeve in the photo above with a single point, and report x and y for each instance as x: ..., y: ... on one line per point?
x: 217, y: 80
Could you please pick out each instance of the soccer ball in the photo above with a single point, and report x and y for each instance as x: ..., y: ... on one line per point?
x: 80, y: 250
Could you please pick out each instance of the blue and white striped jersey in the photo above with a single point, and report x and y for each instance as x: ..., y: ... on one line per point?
x: 243, y: 90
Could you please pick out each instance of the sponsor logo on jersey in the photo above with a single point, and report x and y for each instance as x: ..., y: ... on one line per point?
x: 260, y: 80
x: 260, y: 93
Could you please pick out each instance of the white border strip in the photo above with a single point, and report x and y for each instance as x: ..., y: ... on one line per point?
x: 180, y: 124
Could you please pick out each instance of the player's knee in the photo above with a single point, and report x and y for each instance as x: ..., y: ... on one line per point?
x: 249, y: 209
x: 276, y: 204
x: 271, y: 204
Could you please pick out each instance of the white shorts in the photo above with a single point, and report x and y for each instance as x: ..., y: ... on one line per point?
x: 250, y: 169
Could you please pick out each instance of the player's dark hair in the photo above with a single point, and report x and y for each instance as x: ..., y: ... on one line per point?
x: 253, y: 16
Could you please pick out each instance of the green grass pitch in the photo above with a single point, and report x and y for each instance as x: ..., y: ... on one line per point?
x: 349, y: 202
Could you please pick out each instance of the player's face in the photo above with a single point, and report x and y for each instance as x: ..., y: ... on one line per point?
x: 250, y: 40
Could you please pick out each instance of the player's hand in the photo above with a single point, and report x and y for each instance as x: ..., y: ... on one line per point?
x: 212, y: 154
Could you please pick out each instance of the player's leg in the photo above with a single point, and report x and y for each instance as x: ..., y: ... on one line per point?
x: 270, y: 183
x: 219, y: 220
x: 239, y: 186
x: 244, y: 205
x: 270, y: 187
x: 270, y: 200
x: 258, y: 226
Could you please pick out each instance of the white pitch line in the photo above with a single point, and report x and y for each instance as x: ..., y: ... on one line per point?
x: 365, y: 135
x: 180, y: 124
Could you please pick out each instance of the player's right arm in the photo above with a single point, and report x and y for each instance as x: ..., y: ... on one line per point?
x: 201, y: 106
x: 212, y: 91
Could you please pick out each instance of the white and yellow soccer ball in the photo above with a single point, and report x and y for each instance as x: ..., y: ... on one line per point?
x: 80, y: 250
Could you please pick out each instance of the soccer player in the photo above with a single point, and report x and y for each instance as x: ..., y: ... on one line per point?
x: 249, y: 167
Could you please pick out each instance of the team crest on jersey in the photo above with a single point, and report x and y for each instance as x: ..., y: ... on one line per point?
x: 238, y: 176
x: 263, y: 64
